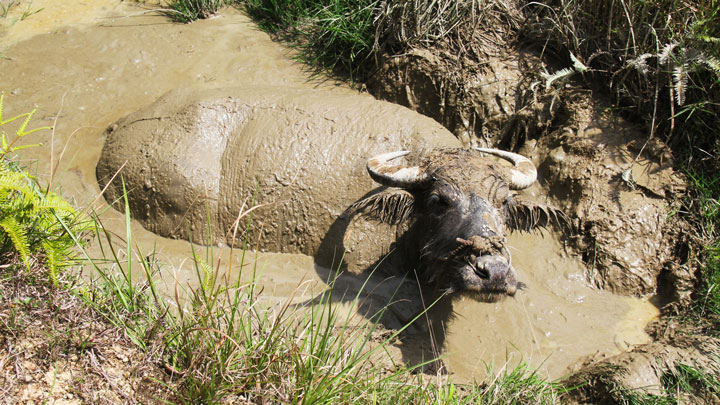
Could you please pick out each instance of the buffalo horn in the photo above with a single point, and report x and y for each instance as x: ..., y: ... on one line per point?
x: 395, y: 175
x: 523, y: 174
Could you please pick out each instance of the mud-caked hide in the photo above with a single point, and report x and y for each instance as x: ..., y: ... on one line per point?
x: 196, y: 159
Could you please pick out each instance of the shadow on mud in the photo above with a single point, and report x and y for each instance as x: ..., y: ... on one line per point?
x: 387, y: 292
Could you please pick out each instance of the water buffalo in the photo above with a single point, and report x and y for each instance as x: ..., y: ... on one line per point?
x: 460, y: 202
x: 193, y: 159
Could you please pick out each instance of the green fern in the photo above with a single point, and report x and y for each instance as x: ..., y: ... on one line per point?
x: 18, y: 236
x: 34, y: 223
x: 31, y: 222
x: 7, y: 147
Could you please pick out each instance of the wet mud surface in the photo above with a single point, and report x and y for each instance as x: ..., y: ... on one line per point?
x: 89, y: 67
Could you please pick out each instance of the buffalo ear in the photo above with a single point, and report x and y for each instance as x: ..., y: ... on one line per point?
x: 391, y: 206
x: 525, y: 216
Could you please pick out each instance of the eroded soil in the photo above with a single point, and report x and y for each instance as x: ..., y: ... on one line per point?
x: 100, y: 60
x: 56, y: 350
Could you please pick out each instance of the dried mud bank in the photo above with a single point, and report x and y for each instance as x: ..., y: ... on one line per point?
x: 645, y: 368
x: 57, y: 350
x: 615, y: 183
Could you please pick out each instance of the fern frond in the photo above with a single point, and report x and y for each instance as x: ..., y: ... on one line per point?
x: 10, y: 183
x: 53, y: 201
x: 640, y: 63
x: 680, y: 78
x: 19, y: 239
x: 667, y: 52
x: 709, y: 39
x: 710, y: 62
x: 560, y: 74
x: 2, y: 102
x: 577, y: 65
x: 54, y: 259
x: 208, y: 279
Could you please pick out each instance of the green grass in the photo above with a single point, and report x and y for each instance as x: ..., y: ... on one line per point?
x: 704, y: 207
x: 223, y: 344
x: 186, y: 11
x: 684, y: 384
x: 337, y: 35
x: 346, y: 37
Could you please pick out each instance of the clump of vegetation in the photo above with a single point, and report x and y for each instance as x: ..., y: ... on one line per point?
x: 682, y: 384
x: 692, y: 380
x: 337, y: 35
x: 346, y: 37
x: 36, y: 225
x: 703, y: 207
x: 186, y: 11
x: 659, y: 59
x: 7, y: 5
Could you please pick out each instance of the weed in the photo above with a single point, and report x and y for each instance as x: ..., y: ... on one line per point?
x: 186, y: 11
x: 689, y: 379
x: 704, y: 204
x: 29, y: 12
x: 29, y: 217
x: 682, y: 384
x: 5, y: 8
x: 337, y: 36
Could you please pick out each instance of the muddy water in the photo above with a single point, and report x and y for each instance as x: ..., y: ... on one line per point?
x: 557, y: 318
x: 85, y: 63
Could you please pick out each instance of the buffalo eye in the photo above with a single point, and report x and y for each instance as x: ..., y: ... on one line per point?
x: 436, y: 202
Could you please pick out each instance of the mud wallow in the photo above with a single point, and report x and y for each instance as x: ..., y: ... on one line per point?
x: 615, y: 102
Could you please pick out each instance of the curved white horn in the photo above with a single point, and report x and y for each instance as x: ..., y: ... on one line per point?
x: 390, y: 175
x: 523, y: 175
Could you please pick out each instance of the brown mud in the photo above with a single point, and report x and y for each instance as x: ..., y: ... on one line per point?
x: 101, y: 60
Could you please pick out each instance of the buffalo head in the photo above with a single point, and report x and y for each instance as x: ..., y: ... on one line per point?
x: 460, y: 204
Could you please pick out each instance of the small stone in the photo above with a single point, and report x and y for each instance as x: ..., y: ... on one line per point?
x: 27, y: 378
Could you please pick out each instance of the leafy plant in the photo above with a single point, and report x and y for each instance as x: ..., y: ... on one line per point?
x: 186, y: 11
x: 337, y: 35
x: 32, y: 221
x: 704, y: 203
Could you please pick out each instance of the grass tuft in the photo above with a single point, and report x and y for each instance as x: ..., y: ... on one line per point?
x: 187, y: 11
x: 337, y: 36
x: 704, y: 209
